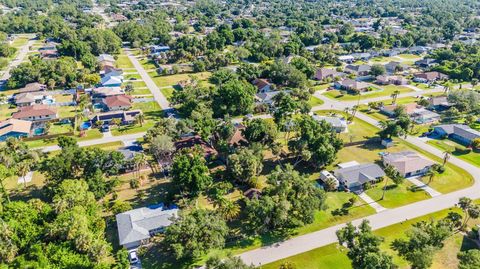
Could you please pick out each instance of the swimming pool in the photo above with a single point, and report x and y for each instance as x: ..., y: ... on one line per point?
x: 98, y: 106
x: 85, y: 125
x: 48, y: 102
x: 38, y: 131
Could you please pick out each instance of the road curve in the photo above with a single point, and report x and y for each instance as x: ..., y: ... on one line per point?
x: 385, y: 218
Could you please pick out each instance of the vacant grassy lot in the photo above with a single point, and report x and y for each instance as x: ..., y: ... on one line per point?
x: 167, y: 92
x: 132, y: 77
x: 172, y: 80
x: 148, y: 64
x: 123, y: 62
x: 334, y: 256
x: 457, y: 150
x: 387, y: 91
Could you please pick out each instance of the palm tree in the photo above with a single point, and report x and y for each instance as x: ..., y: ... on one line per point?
x: 384, y: 188
x: 140, y: 119
x: 23, y: 168
x: 394, y: 96
x: 447, y: 86
x: 139, y: 161
x: 431, y: 173
x: 354, y: 111
x: 446, y: 156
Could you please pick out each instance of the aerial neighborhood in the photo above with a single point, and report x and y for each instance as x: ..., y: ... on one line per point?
x: 240, y: 134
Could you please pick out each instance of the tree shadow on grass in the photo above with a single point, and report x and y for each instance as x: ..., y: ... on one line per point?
x: 25, y: 194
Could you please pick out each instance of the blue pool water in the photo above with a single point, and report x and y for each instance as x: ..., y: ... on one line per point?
x: 85, y: 125
x: 48, y: 102
x: 97, y: 106
x: 38, y: 131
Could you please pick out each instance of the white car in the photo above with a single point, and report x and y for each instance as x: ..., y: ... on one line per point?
x: 132, y: 256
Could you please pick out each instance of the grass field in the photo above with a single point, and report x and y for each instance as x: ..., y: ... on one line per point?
x: 314, y: 101
x: 132, y: 77
x: 396, y: 196
x: 472, y: 157
x: 124, y: 62
x: 334, y: 256
x: 387, y: 91
x: 6, y: 111
x: 172, y: 80
x: 140, y: 91
x: 167, y: 92
x: 148, y: 64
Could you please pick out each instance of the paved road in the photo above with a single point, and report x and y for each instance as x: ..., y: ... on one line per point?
x: 382, y: 219
x: 22, y: 53
x: 126, y: 139
x: 157, y: 94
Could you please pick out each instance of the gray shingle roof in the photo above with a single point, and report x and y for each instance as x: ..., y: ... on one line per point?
x: 135, y: 225
x: 359, y: 174
x: 460, y: 130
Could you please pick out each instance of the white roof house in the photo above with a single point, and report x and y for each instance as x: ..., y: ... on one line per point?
x: 140, y: 224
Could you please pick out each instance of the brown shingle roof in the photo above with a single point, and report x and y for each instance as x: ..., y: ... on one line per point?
x: 34, y: 111
x: 14, y: 125
x: 117, y: 100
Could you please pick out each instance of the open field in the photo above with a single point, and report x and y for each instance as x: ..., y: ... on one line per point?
x: 334, y: 256
x: 386, y: 91
x: 172, y: 80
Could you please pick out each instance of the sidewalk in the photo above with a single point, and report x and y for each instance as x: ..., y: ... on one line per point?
x: 424, y: 187
x: 371, y: 202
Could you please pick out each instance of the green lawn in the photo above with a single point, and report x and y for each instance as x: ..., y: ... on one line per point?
x: 58, y: 128
x: 137, y: 83
x: 167, y: 92
x: 172, y: 80
x: 19, y: 41
x: 66, y: 111
x: 472, y: 157
x: 124, y: 62
x: 358, y: 130
x: 330, y: 217
x: 147, y: 64
x: 140, y: 91
x: 387, y: 91
x: 132, y: 77
x: 314, y: 101
x: 132, y: 129
x: 321, y: 87
x: 152, y: 109
x: 409, y: 56
x: 334, y: 256
x: 6, y: 111
x: 396, y: 196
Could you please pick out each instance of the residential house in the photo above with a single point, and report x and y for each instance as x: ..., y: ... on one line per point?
x: 31, y: 98
x: 389, y: 110
x: 426, y: 63
x: 408, y: 163
x: 117, y: 102
x: 346, y: 58
x: 354, y: 177
x: 429, y: 77
x: 266, y: 97
x: 102, y: 92
x: 424, y: 116
x: 463, y: 134
x: 14, y: 128
x: 359, y: 70
x: 195, y: 141
x: 138, y: 225
x: 418, y: 50
x: 262, y: 85
x: 439, y: 103
x: 117, y: 17
x: 126, y: 117
x: 324, y: 73
x: 394, y: 67
x: 32, y: 87
x: 111, y: 81
x: 351, y: 85
x: 129, y: 154
x: 395, y: 80
x: 111, y: 72
x: 237, y: 138
x: 49, y: 54
x: 339, y: 125
x: 106, y: 60
x: 36, y: 113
